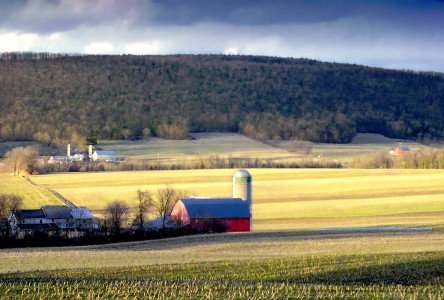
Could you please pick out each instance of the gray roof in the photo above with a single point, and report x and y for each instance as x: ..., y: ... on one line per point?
x: 211, y: 208
x: 30, y: 214
x: 81, y: 213
x: 57, y: 211
x: 106, y: 152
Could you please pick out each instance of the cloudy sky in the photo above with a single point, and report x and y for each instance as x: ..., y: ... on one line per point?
x: 401, y: 34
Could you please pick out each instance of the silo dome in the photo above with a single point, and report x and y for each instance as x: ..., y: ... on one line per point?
x: 242, y: 185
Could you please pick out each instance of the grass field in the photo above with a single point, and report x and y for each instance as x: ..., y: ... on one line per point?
x: 362, y: 144
x: 204, y: 145
x: 33, y: 197
x: 275, y: 262
x: 276, y: 265
x: 201, y: 146
x: 283, y: 198
x: 208, y: 146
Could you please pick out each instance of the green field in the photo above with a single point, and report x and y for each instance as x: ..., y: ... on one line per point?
x: 274, y: 265
x: 33, y: 197
x: 283, y: 198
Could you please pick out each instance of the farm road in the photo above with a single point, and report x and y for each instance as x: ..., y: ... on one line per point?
x: 58, y: 195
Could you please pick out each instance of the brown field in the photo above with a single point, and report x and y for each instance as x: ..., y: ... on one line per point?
x: 221, y: 247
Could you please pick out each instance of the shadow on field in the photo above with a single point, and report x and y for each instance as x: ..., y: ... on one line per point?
x: 424, y: 269
x: 224, y: 238
x: 424, y: 272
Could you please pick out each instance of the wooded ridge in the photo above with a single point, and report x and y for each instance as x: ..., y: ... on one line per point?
x: 59, y: 98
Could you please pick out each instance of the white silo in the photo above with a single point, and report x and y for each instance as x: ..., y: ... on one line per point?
x: 242, y: 188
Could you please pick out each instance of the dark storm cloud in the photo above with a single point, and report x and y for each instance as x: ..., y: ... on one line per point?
x: 263, y: 12
x: 270, y: 12
x: 46, y: 16
x: 398, y: 33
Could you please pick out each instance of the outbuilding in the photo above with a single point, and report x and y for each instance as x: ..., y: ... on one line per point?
x: 104, y: 155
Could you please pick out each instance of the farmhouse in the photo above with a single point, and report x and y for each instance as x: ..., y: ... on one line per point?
x: 29, y: 220
x: 218, y: 214
x: 51, y: 218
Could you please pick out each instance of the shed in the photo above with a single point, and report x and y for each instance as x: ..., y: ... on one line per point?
x: 231, y: 214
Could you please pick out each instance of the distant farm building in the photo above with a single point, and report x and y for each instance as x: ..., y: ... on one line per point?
x: 399, y: 151
x: 104, y: 155
x: 96, y: 156
x: 218, y: 214
x: 60, y: 160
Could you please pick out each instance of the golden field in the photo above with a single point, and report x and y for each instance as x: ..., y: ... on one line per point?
x: 33, y: 197
x: 282, y: 198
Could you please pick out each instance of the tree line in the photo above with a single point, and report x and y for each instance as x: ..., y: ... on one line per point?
x: 422, y: 159
x: 24, y: 160
x: 67, y: 98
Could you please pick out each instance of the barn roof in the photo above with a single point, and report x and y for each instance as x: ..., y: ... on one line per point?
x: 211, y: 208
x: 57, y: 211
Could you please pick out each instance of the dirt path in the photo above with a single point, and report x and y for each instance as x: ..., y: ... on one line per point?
x: 58, y: 195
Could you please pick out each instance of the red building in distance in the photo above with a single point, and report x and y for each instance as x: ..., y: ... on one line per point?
x: 231, y: 214
x: 218, y: 214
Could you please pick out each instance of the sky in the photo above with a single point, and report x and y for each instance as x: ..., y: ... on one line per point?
x: 396, y: 34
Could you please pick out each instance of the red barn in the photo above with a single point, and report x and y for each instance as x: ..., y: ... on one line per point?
x: 233, y: 214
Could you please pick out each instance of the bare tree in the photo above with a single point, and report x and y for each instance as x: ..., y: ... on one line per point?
x: 166, y: 198
x: 116, y: 214
x: 21, y: 159
x: 303, y: 147
x: 144, y: 205
x: 8, y: 205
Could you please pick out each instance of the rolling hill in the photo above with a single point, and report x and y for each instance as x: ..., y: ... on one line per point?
x: 54, y: 98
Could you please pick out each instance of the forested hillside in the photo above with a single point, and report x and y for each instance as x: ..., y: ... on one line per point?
x: 52, y: 98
